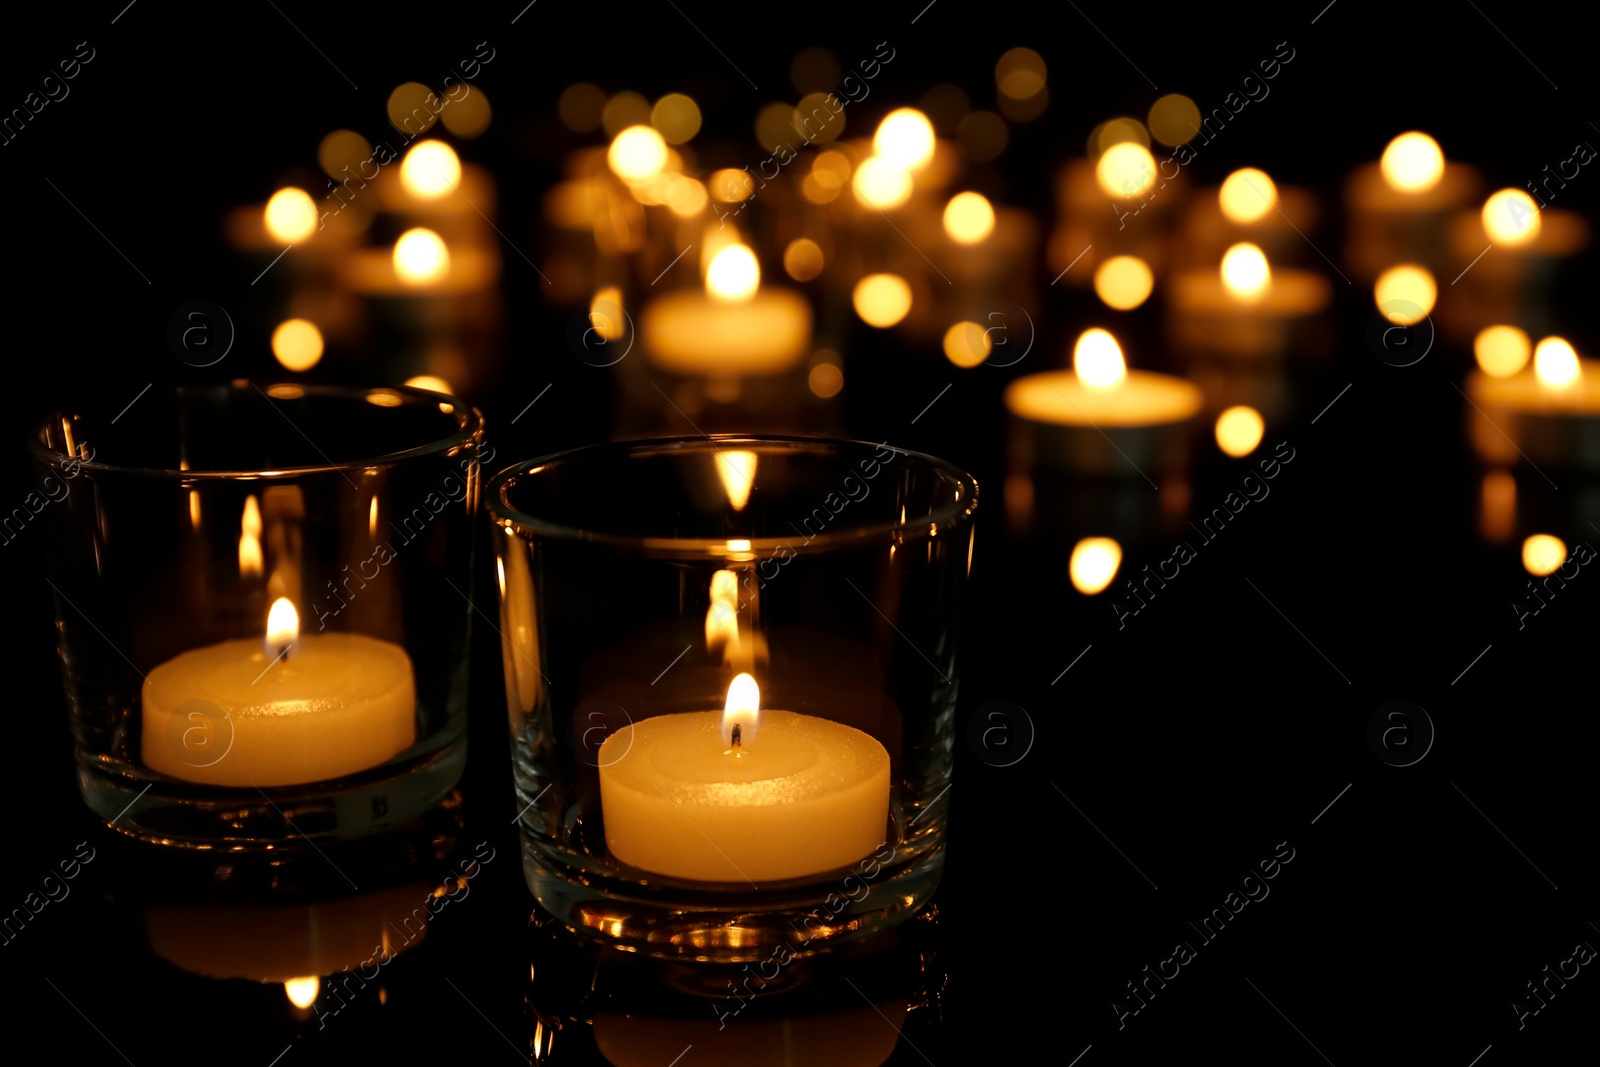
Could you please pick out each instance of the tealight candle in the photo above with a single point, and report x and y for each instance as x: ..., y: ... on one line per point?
x: 742, y: 794
x: 734, y: 328
x: 1246, y: 308
x: 1101, y: 417
x: 1548, y: 413
x: 1399, y: 207
x: 295, y: 709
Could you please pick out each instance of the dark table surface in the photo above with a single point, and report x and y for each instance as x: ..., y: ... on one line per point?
x: 1225, y: 725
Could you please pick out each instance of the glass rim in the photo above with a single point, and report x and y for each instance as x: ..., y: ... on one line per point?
x: 948, y: 517
x: 469, y: 427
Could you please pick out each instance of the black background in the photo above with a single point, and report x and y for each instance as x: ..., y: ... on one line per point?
x: 1197, y: 739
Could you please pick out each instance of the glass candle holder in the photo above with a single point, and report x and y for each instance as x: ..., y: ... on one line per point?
x: 262, y: 607
x: 730, y: 673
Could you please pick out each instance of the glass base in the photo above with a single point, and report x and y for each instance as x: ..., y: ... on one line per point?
x: 733, y: 924
x: 169, y: 812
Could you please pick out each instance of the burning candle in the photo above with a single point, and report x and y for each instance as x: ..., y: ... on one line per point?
x: 733, y: 328
x: 1100, y: 416
x: 742, y: 794
x: 293, y: 709
x: 1400, y: 206
x: 1244, y: 308
x: 1549, y: 412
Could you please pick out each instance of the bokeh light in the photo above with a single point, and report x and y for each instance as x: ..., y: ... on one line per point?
x: 623, y: 110
x: 468, y: 117
x: 1555, y: 363
x: 677, y: 117
x: 802, y: 260
x: 297, y: 344
x: 1502, y: 351
x: 825, y: 380
x: 420, y: 257
x: 1174, y: 119
x: 1412, y: 163
x: 1020, y: 73
x: 734, y: 275
x: 1094, y: 564
x: 1123, y: 282
x: 431, y: 382
x: 1245, y: 272
x: 967, y: 344
x: 408, y: 108
x: 882, y: 300
x: 968, y: 218
x: 291, y: 215
x: 1511, y: 218
x: 1126, y: 170
x: 904, y: 138
x: 430, y: 170
x: 1412, y: 287
x: 1097, y: 360
x: 881, y: 183
x: 581, y: 106
x: 637, y: 154
x: 1247, y: 195
x: 343, y: 150
x: 1543, y: 554
x: 1239, y: 430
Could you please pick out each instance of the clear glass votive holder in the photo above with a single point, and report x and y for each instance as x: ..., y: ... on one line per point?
x: 730, y: 674
x: 262, y: 607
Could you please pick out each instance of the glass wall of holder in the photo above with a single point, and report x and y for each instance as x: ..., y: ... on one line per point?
x: 261, y: 605
x: 730, y: 672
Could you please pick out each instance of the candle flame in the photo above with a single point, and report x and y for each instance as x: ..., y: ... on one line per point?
x: 420, y: 257
x: 1247, y: 195
x: 637, y: 155
x: 283, y: 627
x: 742, y: 712
x: 1093, y: 564
x: 303, y: 991
x: 733, y: 275
x: 430, y: 170
x: 1245, y: 272
x: 1413, y: 163
x: 1511, y: 218
x: 1555, y: 363
x: 250, y: 538
x: 1097, y: 359
x: 1542, y: 554
x: 722, y: 617
x: 738, y: 473
x: 904, y: 138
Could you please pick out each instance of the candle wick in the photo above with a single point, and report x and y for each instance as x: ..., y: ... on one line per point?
x: 737, y: 735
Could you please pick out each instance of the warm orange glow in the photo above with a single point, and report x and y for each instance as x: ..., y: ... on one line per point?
x: 722, y: 617
x: 743, y: 709
x: 882, y: 300
x: 384, y: 398
x: 904, y: 138
x: 1020, y: 74
x: 1502, y: 351
x: 430, y: 170
x: 966, y: 344
x: 803, y: 259
x: 420, y: 257
x: 1497, y: 518
x: 686, y: 197
x: 1094, y: 564
x: 1097, y: 360
x: 1409, y: 285
x: 677, y: 117
x: 1245, y: 273
x: 283, y: 627
x: 297, y: 344
x: 1117, y: 131
x: 469, y: 116
x: 1123, y: 282
x: 605, y: 314
x: 291, y: 215
x: 408, y: 108
x: 1247, y: 195
x: 249, y: 538
x: 1173, y: 119
x: 637, y: 154
x: 733, y: 275
x: 825, y: 380
x: 1543, y: 554
x: 1511, y: 218
x: 968, y: 218
x: 737, y: 471
x: 303, y: 992
x: 194, y: 508
x: 831, y: 169
x: 340, y: 150
x: 730, y: 185
x: 431, y: 382
x: 882, y: 183
x: 1413, y: 163
x: 1126, y: 170
x: 1239, y: 430
x: 1555, y: 364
